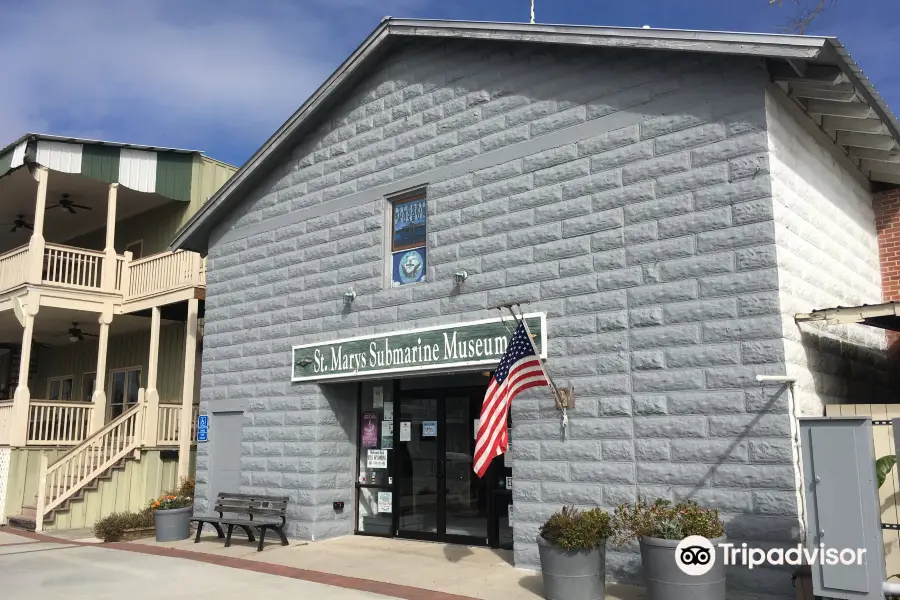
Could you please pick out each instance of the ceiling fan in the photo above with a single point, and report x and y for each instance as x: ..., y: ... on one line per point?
x: 66, y: 203
x: 76, y: 334
x: 20, y: 223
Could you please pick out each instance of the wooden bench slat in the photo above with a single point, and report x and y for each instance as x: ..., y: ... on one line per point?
x: 253, y: 497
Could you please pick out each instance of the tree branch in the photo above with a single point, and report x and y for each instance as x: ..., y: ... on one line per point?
x: 808, y: 11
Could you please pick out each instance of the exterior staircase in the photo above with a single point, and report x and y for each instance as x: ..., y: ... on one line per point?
x: 27, y: 519
x: 83, y: 468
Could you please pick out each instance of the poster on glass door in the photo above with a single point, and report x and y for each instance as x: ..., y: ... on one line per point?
x: 369, y: 429
x: 387, y: 435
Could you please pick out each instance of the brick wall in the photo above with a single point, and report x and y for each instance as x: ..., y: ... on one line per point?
x: 619, y: 192
x: 887, y: 222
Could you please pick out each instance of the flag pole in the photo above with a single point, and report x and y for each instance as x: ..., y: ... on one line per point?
x: 561, y: 405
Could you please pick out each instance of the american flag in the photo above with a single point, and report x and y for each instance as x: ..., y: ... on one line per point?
x: 519, y: 369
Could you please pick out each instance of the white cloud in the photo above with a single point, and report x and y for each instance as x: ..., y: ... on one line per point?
x: 170, y: 73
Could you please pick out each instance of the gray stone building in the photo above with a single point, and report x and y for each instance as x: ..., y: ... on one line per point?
x: 664, y: 201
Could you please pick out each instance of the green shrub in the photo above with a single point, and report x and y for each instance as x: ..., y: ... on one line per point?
x: 114, y: 526
x: 664, y: 520
x: 573, y: 529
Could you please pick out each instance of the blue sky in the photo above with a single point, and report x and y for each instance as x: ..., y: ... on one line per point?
x: 222, y: 75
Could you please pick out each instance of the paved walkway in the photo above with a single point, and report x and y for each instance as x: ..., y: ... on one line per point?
x: 352, y: 565
x: 36, y: 570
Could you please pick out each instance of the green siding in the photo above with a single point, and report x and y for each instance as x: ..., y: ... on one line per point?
x: 100, y: 162
x: 5, y: 162
x: 128, y: 489
x: 156, y: 227
x: 173, y: 175
x: 24, y: 465
x: 127, y: 350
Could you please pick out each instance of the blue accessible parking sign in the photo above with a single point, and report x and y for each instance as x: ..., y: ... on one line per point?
x: 202, y: 428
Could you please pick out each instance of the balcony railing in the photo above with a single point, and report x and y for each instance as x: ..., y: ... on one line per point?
x: 73, y: 267
x: 68, y: 423
x: 13, y: 268
x: 54, y: 423
x: 170, y: 424
x: 6, y: 409
x: 164, y: 272
x: 81, y: 269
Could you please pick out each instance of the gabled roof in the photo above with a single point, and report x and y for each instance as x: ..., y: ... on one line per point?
x: 817, y: 72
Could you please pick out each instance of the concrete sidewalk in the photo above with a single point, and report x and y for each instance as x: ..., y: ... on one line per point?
x: 389, y: 567
x: 480, y: 573
x: 31, y: 569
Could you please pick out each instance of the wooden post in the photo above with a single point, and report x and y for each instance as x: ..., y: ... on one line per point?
x: 187, y: 390
x: 151, y: 429
x: 98, y: 417
x: 41, y: 494
x: 108, y: 275
x: 18, y: 426
x: 126, y: 276
x: 140, y: 422
x: 34, y: 272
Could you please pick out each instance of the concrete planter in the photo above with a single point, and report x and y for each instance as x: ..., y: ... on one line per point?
x: 174, y: 524
x: 665, y: 581
x: 573, y: 574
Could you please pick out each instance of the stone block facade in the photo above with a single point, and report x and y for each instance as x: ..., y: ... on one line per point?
x: 626, y: 194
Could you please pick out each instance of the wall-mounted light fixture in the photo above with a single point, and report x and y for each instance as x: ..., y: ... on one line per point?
x: 349, y: 297
x: 459, y: 277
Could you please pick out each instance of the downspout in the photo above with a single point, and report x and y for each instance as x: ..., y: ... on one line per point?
x: 789, y: 382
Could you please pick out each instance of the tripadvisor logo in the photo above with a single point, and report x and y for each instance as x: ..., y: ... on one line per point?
x: 696, y: 555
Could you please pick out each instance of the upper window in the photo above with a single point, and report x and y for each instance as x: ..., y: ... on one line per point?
x: 59, y: 388
x: 408, y: 239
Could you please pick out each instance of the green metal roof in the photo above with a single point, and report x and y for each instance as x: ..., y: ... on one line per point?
x: 168, y: 172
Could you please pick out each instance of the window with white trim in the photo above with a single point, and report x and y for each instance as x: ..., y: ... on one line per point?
x: 88, y: 385
x: 123, y: 390
x: 409, y: 214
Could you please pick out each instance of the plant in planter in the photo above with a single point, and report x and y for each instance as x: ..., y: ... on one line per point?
x: 659, y: 528
x: 124, y: 526
x: 172, y: 513
x: 572, y: 546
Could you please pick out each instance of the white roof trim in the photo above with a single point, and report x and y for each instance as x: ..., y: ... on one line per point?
x: 852, y: 314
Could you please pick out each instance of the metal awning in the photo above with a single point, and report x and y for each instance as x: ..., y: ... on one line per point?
x: 883, y: 316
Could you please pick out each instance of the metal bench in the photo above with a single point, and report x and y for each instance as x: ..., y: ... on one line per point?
x: 251, y: 511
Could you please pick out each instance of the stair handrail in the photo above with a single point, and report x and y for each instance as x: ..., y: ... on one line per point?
x: 75, y: 469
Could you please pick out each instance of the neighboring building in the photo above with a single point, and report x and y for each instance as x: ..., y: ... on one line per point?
x: 665, y: 201
x: 99, y: 337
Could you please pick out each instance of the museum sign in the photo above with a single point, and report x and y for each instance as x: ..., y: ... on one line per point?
x: 431, y: 349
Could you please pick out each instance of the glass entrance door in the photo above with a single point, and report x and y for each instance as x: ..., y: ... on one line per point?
x: 418, y: 467
x: 440, y: 497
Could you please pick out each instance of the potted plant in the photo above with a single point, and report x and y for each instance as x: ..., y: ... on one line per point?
x: 172, y: 513
x: 572, y: 547
x: 660, y: 528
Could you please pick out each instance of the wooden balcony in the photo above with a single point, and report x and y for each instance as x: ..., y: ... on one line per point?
x: 135, y: 284
x: 162, y: 274
x: 53, y: 423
